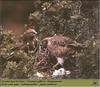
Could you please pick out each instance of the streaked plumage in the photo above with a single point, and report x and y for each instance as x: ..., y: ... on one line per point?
x: 60, y: 46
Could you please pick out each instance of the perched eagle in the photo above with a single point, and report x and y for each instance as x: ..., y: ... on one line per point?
x: 60, y: 46
x: 29, y: 41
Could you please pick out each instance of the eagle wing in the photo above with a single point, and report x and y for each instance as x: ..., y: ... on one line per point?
x: 57, y: 45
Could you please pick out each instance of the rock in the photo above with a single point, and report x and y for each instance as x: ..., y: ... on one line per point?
x: 39, y: 75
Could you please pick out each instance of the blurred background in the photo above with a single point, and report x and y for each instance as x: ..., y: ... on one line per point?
x: 14, y: 13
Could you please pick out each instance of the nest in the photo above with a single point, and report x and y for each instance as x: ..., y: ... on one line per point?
x: 42, y: 61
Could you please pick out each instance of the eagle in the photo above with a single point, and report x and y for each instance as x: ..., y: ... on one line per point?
x: 29, y: 41
x: 60, y: 46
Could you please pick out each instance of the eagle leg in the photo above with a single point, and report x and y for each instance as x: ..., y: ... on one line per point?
x: 59, y: 61
x: 55, y: 65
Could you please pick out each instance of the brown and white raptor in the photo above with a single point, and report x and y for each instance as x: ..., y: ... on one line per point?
x: 60, y: 46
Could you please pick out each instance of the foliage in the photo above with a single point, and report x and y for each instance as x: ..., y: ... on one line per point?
x: 67, y: 17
